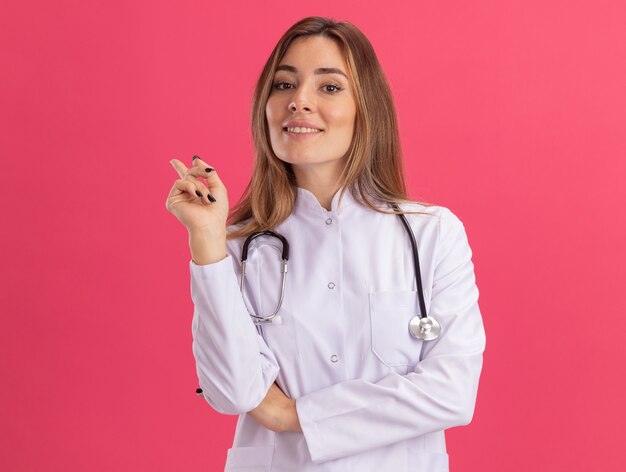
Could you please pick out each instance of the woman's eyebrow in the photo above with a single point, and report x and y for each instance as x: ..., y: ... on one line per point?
x: 318, y: 71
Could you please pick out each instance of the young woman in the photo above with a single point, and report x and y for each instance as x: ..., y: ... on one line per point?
x: 334, y: 371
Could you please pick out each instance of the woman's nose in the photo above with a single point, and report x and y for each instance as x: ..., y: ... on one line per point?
x: 295, y: 106
x: 301, y: 101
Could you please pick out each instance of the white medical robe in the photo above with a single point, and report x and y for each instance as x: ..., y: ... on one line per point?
x: 369, y: 396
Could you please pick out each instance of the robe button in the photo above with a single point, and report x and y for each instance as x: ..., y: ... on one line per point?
x: 334, y: 358
x: 331, y: 285
x: 329, y: 221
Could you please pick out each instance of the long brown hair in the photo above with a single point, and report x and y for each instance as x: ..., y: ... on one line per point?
x: 373, y: 170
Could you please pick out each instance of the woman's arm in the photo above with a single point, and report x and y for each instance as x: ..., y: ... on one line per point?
x: 277, y: 412
x: 234, y: 365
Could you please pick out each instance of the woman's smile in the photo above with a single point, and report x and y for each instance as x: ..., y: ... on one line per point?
x: 301, y: 133
x: 300, y: 129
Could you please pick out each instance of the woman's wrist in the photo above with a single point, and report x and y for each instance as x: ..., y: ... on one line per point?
x: 291, y: 417
x: 207, y: 247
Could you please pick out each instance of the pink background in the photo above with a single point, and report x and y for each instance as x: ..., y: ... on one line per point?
x: 512, y: 114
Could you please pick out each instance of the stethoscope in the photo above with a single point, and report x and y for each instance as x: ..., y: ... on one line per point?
x: 421, y: 326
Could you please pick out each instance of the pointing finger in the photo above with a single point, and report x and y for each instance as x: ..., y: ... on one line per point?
x: 179, y: 167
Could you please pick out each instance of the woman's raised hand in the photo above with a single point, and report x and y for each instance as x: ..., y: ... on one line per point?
x: 203, y: 210
x: 197, y: 207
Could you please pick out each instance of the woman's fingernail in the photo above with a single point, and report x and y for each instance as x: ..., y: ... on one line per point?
x: 208, y: 170
x: 198, y: 193
x: 195, y: 157
x: 211, y: 198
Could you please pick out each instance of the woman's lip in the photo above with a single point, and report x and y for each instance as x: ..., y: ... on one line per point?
x: 301, y: 135
x: 300, y: 124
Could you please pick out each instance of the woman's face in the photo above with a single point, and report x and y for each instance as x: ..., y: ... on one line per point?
x: 311, y: 109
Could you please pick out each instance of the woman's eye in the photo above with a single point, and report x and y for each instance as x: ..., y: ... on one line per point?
x: 281, y: 85
x: 332, y: 88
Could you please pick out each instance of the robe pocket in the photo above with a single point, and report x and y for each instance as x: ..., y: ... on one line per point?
x: 249, y: 459
x: 390, y: 314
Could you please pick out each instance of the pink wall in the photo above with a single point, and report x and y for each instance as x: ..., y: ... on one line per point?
x: 512, y: 114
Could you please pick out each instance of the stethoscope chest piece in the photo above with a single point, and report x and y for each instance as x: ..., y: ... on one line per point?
x: 426, y: 328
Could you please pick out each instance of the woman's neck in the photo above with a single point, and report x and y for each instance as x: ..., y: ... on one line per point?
x: 323, y: 186
x: 323, y: 195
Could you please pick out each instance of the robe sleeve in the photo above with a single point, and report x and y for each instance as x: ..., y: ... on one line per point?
x: 235, y: 367
x: 355, y: 416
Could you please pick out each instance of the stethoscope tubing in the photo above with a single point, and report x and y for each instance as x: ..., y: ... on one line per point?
x: 416, y: 262
x: 285, y: 258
